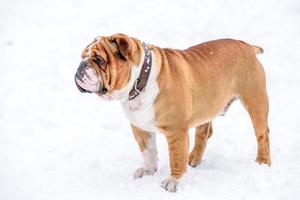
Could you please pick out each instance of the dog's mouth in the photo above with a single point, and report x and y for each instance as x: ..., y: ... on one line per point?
x: 86, y: 80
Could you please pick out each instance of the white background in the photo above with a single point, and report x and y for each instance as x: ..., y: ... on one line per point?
x: 59, y: 144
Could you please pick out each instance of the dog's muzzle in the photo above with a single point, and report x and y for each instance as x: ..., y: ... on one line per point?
x: 86, y: 79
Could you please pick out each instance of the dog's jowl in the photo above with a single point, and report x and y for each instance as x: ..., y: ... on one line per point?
x: 170, y: 91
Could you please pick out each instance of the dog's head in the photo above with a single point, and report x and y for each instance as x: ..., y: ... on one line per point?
x: 107, y: 63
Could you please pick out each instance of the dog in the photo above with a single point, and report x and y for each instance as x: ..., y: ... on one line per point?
x: 170, y: 91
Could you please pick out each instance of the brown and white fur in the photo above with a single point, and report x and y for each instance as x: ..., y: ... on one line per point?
x: 186, y: 89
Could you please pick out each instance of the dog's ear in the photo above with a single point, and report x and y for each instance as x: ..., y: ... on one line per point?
x: 123, y: 45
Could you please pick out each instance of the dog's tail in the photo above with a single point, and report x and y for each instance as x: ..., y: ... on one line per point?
x: 257, y: 49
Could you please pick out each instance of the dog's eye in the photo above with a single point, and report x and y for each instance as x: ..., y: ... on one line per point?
x: 100, y: 62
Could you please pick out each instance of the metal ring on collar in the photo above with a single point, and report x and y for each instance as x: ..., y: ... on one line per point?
x: 135, y: 86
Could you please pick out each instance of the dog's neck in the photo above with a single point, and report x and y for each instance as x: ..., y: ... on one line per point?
x: 138, y: 78
x: 141, y: 82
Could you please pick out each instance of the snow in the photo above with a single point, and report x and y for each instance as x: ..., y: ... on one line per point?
x: 58, y: 144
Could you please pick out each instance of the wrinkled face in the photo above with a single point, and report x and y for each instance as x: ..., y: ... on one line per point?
x: 106, y: 64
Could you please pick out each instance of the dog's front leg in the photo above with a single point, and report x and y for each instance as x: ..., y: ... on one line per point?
x: 178, y: 144
x: 147, y: 144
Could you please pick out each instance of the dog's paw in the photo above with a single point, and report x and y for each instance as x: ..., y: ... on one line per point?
x: 140, y: 172
x: 194, y: 159
x: 261, y: 160
x: 170, y: 184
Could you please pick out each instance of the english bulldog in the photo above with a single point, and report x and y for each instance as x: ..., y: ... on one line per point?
x: 170, y: 91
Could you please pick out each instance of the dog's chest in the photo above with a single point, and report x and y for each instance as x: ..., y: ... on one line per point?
x: 140, y: 111
x: 142, y: 116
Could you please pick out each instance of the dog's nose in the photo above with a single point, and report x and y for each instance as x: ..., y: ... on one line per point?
x: 83, y: 64
x: 81, y: 69
x: 80, y: 74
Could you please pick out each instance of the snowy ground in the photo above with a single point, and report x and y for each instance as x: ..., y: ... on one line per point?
x: 58, y: 144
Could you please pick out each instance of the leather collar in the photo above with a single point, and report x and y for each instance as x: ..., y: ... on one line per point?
x: 141, y: 81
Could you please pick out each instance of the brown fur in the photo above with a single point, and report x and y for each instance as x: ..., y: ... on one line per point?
x: 195, y: 85
x: 140, y: 136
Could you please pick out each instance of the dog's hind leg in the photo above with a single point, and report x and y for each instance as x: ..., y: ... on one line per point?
x: 257, y: 108
x: 255, y: 100
x: 202, y: 134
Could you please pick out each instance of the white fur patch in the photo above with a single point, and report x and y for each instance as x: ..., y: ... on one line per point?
x: 140, y: 111
x: 150, y: 153
x: 97, y: 39
x: 150, y: 158
x: 170, y: 184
